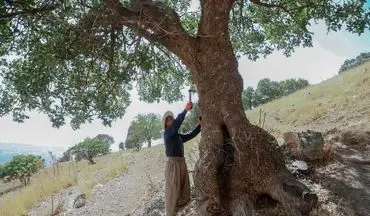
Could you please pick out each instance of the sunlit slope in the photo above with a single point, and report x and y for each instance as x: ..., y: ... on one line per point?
x: 340, y: 102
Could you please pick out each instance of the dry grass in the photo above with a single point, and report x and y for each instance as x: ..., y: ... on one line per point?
x: 342, y: 101
x: 44, y: 184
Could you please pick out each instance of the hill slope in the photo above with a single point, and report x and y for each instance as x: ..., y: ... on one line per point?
x: 340, y: 102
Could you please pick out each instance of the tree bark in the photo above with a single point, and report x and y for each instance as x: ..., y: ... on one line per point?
x: 90, y: 160
x: 149, y: 143
x: 227, y: 180
x: 257, y: 167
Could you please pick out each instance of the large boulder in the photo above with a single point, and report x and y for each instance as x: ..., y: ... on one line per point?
x: 308, y: 146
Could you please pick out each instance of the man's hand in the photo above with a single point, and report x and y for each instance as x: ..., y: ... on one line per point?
x: 199, y: 120
x: 189, y: 106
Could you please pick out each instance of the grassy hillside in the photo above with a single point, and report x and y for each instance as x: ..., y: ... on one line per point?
x: 46, y: 183
x: 340, y: 102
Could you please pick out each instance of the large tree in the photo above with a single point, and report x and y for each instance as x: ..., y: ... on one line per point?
x: 145, y: 128
x: 109, y: 140
x: 75, y: 60
x: 90, y: 148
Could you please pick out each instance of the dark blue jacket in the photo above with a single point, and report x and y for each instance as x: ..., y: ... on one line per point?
x: 173, y: 141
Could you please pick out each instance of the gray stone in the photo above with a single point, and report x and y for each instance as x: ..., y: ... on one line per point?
x: 80, y: 201
x: 307, y: 146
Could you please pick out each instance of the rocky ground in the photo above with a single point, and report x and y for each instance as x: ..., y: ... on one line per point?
x: 343, y: 186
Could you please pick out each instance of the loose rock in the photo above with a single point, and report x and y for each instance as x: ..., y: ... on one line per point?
x: 79, y: 201
x: 307, y: 146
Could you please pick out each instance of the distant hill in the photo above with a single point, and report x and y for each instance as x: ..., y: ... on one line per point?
x: 342, y: 102
x: 8, y: 150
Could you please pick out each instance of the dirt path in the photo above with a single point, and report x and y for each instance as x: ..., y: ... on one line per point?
x: 120, y: 196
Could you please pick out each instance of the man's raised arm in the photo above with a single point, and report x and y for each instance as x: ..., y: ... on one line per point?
x: 178, y: 121
x: 191, y: 135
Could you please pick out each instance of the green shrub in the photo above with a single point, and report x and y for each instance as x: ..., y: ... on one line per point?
x: 22, y: 167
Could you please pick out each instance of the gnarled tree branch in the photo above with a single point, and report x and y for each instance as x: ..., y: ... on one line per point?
x: 32, y: 11
x: 155, y: 23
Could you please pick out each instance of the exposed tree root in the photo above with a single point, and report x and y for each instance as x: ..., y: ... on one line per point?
x: 247, y: 176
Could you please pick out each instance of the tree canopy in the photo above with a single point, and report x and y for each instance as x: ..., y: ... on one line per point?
x: 350, y: 63
x: 109, y: 140
x: 22, y: 167
x: 76, y: 60
x: 121, y: 145
x: 90, y: 148
x: 145, y: 128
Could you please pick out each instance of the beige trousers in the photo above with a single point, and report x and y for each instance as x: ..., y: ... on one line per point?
x: 177, y: 188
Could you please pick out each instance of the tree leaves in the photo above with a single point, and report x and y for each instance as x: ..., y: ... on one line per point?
x: 76, y: 61
x: 350, y: 63
x: 22, y: 167
x: 145, y: 128
x: 109, y: 140
x: 90, y: 148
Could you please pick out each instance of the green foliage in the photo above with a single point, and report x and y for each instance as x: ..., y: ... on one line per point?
x: 2, y: 171
x: 350, y: 63
x: 90, y: 148
x: 66, y: 155
x: 121, y: 145
x: 191, y: 119
x: 74, y: 61
x: 268, y: 90
x: 144, y: 128
x: 247, y: 98
x: 290, y: 86
x: 133, y: 140
x: 109, y: 140
x: 22, y: 167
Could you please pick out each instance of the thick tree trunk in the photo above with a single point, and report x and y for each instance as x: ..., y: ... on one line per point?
x: 90, y: 160
x: 228, y: 181
x: 149, y: 143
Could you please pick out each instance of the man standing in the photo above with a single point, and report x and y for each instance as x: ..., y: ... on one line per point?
x: 177, y: 188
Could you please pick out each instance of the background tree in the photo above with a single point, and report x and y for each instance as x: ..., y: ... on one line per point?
x: 121, y: 146
x: 22, y: 167
x: 267, y: 90
x: 248, y: 100
x: 145, y: 128
x: 66, y: 155
x: 290, y: 86
x: 133, y: 140
x: 77, y: 60
x: 109, y: 140
x: 350, y: 63
x: 149, y: 127
x: 2, y: 171
x: 90, y: 148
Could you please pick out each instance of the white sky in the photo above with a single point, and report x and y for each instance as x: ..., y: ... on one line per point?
x: 314, y: 64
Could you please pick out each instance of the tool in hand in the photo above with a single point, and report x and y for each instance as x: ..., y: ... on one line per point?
x: 190, y: 92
